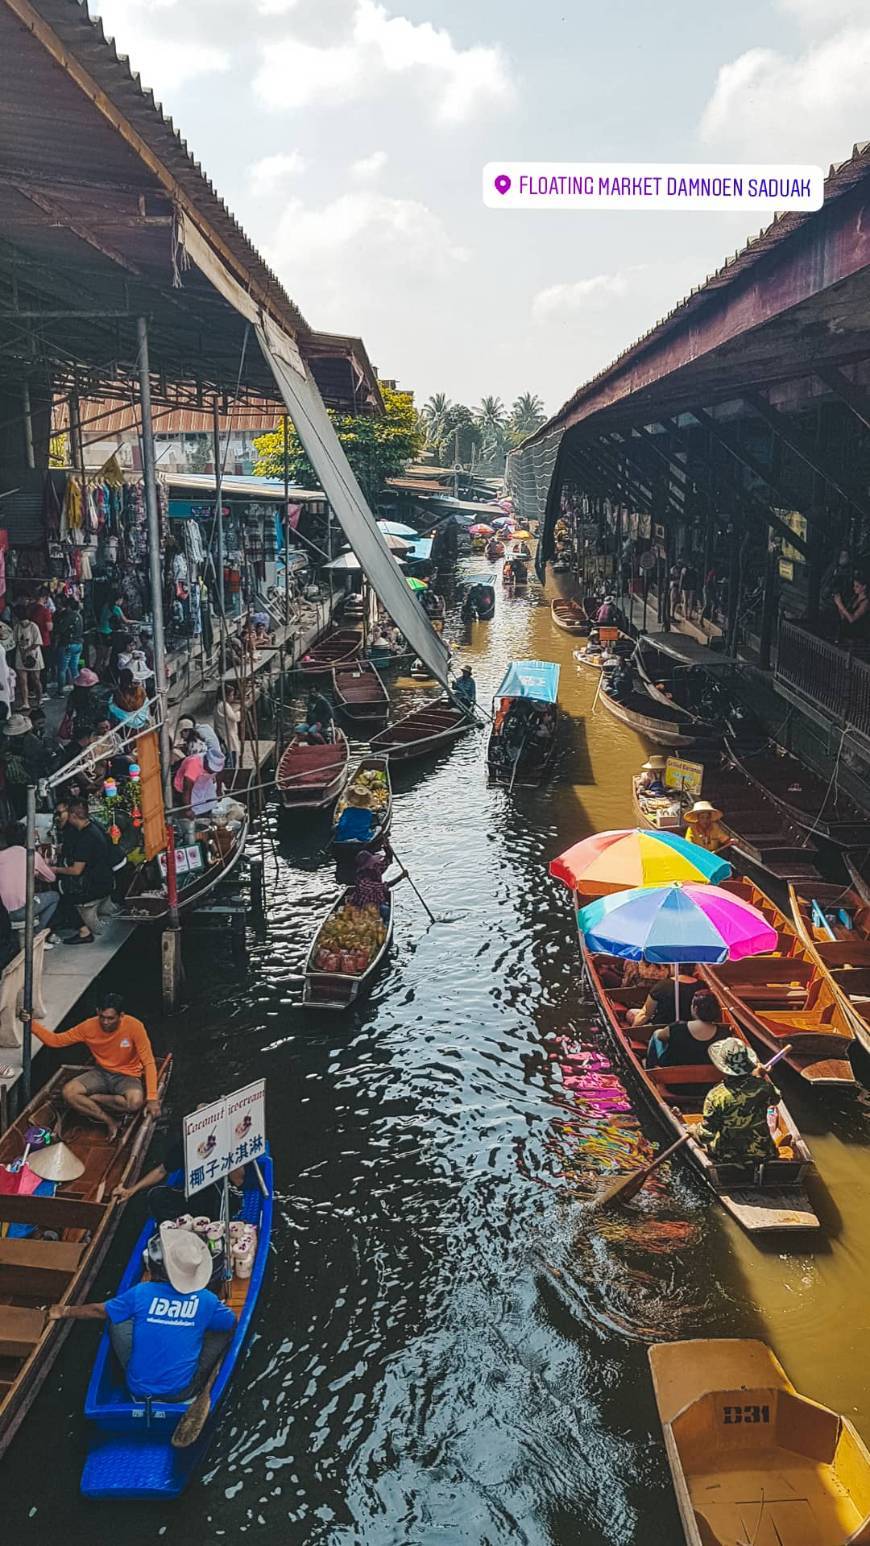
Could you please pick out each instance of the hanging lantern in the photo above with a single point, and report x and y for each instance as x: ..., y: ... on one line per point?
x: 110, y: 789
x: 136, y: 816
x: 115, y: 832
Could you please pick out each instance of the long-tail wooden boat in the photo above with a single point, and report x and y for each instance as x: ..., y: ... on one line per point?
x: 762, y: 831
x: 762, y: 1199
x: 341, y: 645
x: 132, y: 1455
x: 670, y: 683
x: 514, y: 572
x: 604, y: 641
x: 570, y: 616
x: 752, y: 1460
x: 58, y: 1241
x: 813, y: 802
x: 833, y: 923
x: 641, y: 713
x: 359, y: 692
x: 147, y: 900
x: 494, y: 549
x: 325, y: 989
x: 525, y: 724
x: 786, y: 998
x: 311, y: 777
x: 428, y: 729
x: 345, y: 853
x: 479, y: 599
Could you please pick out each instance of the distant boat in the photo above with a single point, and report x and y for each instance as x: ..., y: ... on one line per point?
x: 359, y: 692
x: 341, y: 645
x: 570, y: 616
x: 526, y: 699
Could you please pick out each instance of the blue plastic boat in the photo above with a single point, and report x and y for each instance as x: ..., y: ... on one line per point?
x: 132, y: 1456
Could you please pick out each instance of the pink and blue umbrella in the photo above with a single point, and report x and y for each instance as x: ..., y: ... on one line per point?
x: 670, y: 924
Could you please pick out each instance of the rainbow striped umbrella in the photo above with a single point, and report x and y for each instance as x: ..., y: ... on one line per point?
x: 613, y: 861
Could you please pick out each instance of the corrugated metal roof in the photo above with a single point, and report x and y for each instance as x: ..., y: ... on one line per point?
x: 103, y: 420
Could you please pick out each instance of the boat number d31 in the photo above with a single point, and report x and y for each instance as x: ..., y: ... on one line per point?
x: 747, y: 1414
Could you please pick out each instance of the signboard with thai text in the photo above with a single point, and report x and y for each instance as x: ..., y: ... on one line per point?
x: 223, y: 1136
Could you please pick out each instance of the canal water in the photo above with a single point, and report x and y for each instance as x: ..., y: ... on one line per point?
x: 449, y: 1348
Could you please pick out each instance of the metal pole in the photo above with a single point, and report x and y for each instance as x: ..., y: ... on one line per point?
x: 29, y: 910
x: 456, y: 462
x: 28, y: 425
x: 286, y: 426
x: 152, y: 508
x: 219, y: 512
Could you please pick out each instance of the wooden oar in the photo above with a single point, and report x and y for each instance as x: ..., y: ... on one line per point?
x: 195, y: 1418
x: 625, y: 1187
x: 433, y: 917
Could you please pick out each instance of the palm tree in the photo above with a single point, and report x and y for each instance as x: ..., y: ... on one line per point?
x: 527, y: 414
x: 434, y: 413
x: 491, y: 415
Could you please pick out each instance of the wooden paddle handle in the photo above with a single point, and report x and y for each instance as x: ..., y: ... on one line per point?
x: 764, y: 1068
x: 665, y: 1154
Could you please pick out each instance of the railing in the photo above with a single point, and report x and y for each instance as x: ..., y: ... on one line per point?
x: 829, y: 676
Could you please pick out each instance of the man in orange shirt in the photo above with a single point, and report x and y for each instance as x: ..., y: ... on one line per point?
x: 125, y: 1077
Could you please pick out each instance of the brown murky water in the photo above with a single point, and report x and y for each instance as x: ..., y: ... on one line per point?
x: 448, y: 1348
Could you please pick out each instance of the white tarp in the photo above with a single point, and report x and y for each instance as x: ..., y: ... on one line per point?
x: 326, y: 454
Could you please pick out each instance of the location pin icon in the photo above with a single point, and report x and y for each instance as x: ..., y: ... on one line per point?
x: 502, y: 182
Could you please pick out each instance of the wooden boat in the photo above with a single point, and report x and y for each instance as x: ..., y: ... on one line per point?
x: 785, y: 998
x: 428, y: 729
x: 762, y: 1199
x: 751, y: 1459
x: 334, y: 649
x: 132, y: 1455
x: 604, y: 641
x: 526, y: 699
x: 833, y: 923
x: 345, y: 853
x: 663, y: 813
x: 359, y: 692
x: 670, y: 683
x: 514, y: 572
x: 434, y: 606
x: 311, y: 777
x: 641, y: 713
x: 147, y: 900
x: 813, y: 802
x: 570, y: 616
x: 520, y: 550
x: 69, y: 1235
x: 761, y: 831
x: 338, y: 990
x: 479, y: 599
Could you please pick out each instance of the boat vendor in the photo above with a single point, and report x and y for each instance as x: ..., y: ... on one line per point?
x: 369, y: 888
x: 195, y: 780
x: 125, y: 1076
x: 687, y: 1041
x: 168, y: 1333
x: 166, y: 1203
x: 734, y: 1128
x: 659, y: 1006
x: 465, y: 690
x: 650, y: 780
x: 319, y: 724
x: 704, y: 827
x: 357, y: 823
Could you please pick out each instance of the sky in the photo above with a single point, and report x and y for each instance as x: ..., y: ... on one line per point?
x: 348, y: 138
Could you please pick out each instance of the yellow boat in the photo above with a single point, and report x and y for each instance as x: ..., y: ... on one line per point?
x: 752, y: 1461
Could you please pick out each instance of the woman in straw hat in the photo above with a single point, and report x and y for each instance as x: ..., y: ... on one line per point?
x: 733, y: 1128
x: 704, y: 827
x: 357, y: 822
x: 651, y: 779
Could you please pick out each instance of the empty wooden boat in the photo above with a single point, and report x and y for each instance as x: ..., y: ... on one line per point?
x: 762, y: 831
x: 428, y: 729
x: 310, y: 777
x: 360, y: 694
x: 641, y: 713
x: 372, y: 778
x: 752, y: 1461
x: 334, y: 649
x: 58, y: 1236
x: 762, y: 1198
x: 131, y: 1455
x: 834, y: 924
x: 570, y: 616
x: 786, y: 997
x: 812, y: 801
x: 337, y: 973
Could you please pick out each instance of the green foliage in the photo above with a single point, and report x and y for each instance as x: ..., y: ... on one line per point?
x: 377, y: 449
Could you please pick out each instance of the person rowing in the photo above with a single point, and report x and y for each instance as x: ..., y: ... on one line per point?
x: 734, y: 1129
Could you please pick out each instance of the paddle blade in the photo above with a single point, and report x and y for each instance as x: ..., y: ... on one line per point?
x: 625, y: 1187
x: 195, y: 1418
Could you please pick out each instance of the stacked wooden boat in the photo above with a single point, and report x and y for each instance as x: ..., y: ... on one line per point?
x: 334, y: 649
x: 833, y: 923
x: 814, y: 803
x: 360, y: 695
x: 786, y: 998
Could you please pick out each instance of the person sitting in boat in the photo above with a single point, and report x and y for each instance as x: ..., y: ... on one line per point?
x: 687, y: 1041
x: 357, y: 823
x: 733, y: 1127
x: 167, y: 1335
x: 465, y: 690
x: 619, y: 678
x: 650, y: 780
x: 321, y: 712
x: 166, y: 1203
x: 704, y: 827
x: 659, y: 1007
x: 385, y: 640
x: 125, y: 1076
x: 607, y: 613
x: 369, y: 888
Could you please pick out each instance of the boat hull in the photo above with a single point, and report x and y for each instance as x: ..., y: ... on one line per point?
x: 346, y: 853
x: 428, y: 730
x: 138, y: 908
x: 571, y: 617
x: 339, y: 647
x: 360, y: 695
x: 665, y: 732
x: 301, y: 791
x: 337, y: 991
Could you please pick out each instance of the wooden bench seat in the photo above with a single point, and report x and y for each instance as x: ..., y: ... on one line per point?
x: 35, y: 1267
x: 20, y: 1330
x: 51, y: 1212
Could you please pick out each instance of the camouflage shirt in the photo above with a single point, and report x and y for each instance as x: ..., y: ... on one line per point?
x: 734, y: 1127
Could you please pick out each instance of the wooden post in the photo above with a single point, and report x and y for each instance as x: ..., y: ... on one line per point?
x: 734, y: 576
x: 26, y: 1015
x: 768, y: 611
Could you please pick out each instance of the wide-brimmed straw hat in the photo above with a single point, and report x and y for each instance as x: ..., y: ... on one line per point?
x: 356, y: 796
x: 703, y: 808
x: 654, y: 764
x: 17, y: 724
x: 187, y: 1259
x: 732, y: 1056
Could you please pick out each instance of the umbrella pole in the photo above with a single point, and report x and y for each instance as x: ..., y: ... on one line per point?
x: 677, y: 990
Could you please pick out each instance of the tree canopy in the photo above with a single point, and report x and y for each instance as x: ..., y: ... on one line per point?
x: 486, y: 433
x: 377, y: 449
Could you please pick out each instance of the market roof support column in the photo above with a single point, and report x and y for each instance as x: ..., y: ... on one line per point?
x: 28, y: 426
x: 221, y: 581
x: 152, y: 508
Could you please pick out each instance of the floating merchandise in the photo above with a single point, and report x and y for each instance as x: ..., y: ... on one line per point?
x: 349, y: 940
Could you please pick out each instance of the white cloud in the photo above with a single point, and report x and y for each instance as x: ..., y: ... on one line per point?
x: 582, y: 295
x: 459, y: 82
x: 270, y: 171
x: 369, y: 166
x: 809, y: 106
x: 143, y: 36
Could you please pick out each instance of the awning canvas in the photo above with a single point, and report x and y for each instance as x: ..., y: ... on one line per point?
x: 534, y: 679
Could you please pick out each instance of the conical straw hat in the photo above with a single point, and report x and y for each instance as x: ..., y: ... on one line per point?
x: 55, y: 1162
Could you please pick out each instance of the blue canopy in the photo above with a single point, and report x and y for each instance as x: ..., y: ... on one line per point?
x: 419, y: 551
x: 535, y: 679
x: 396, y: 529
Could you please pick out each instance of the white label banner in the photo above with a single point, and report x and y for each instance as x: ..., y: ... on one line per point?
x: 224, y: 1135
x: 636, y: 185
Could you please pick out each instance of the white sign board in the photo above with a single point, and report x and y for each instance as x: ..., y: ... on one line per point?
x: 224, y: 1136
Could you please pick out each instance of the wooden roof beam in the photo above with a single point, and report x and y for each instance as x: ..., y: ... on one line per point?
x: 856, y: 397
x: 782, y: 426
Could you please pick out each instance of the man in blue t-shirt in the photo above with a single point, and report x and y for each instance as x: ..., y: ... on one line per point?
x: 168, y: 1335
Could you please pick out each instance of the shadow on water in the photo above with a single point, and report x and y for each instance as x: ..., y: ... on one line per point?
x: 451, y: 1344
